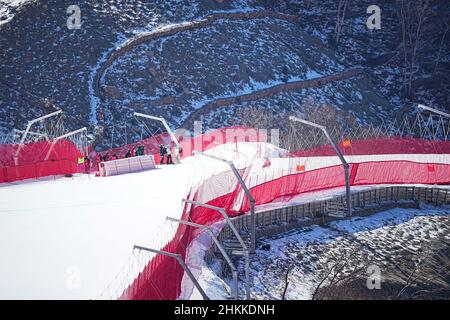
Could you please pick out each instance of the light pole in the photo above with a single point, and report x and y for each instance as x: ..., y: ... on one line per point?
x: 169, y: 131
x: 222, y: 250
x: 163, y: 121
x: 432, y: 110
x: 52, y: 145
x: 247, y: 192
x: 181, y: 262
x: 244, y: 252
x: 27, y: 130
x: 339, y: 154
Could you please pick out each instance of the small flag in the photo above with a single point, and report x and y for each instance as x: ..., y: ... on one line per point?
x: 81, y: 160
x: 346, y: 143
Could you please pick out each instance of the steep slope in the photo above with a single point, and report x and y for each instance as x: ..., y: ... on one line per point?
x: 124, y: 58
x: 44, y: 64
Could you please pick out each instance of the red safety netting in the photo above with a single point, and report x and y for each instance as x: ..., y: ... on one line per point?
x: 201, y: 142
x: 32, y: 163
x: 166, y: 275
x: 367, y: 173
x: 392, y: 145
x: 161, y: 278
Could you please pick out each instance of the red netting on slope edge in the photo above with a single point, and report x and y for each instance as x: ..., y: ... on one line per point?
x: 32, y: 163
x: 162, y: 272
x: 393, y: 145
x: 161, y: 278
x: 366, y: 173
x: 213, y: 138
x: 201, y: 142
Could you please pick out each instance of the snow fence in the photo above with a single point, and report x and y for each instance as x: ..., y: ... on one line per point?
x: 38, y: 159
x: 371, y: 162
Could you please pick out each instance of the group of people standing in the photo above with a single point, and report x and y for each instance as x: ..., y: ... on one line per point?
x: 166, y: 153
x: 134, y: 152
x: 106, y: 157
x: 86, y: 160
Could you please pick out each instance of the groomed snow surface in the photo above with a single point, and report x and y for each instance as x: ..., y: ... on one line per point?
x: 72, y: 238
x: 51, y: 232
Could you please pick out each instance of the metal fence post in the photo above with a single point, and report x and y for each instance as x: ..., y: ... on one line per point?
x: 219, y: 246
x: 247, y: 193
x: 339, y: 154
x: 181, y: 262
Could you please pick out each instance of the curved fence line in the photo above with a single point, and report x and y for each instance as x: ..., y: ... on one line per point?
x: 38, y: 159
x: 366, y: 202
x: 329, y: 177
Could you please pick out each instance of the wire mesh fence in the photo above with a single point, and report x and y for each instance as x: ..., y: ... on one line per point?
x: 423, y: 126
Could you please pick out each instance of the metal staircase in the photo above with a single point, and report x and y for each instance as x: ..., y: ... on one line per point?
x: 336, y: 209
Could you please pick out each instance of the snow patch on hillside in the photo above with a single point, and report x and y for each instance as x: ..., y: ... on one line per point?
x: 8, y: 9
x: 309, y: 250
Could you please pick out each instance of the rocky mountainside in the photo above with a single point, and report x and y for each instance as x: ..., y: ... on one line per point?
x: 201, y: 60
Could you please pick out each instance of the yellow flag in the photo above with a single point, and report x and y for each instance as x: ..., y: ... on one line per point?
x: 81, y: 160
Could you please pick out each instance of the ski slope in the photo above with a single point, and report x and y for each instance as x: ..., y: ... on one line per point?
x: 50, y: 231
x: 69, y: 238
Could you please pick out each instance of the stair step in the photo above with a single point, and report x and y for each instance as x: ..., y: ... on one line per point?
x: 234, y: 245
x: 336, y: 214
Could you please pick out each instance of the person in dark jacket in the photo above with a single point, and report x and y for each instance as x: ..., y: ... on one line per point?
x: 128, y: 154
x: 169, y: 155
x: 99, y: 159
x: 87, y: 164
x: 162, y: 152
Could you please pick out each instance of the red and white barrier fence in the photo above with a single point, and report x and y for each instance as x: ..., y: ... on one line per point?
x: 126, y: 165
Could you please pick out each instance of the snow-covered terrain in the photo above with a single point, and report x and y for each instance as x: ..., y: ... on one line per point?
x: 397, y: 236
x: 9, y: 7
x: 44, y: 62
x: 52, y: 230
x: 72, y: 238
x: 386, y: 239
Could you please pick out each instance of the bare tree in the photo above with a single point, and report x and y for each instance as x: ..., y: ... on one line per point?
x: 339, y: 274
x: 424, y: 274
x: 412, y: 15
x: 286, y: 282
x: 340, y: 18
x: 446, y: 28
x: 429, y: 276
x: 253, y: 117
x: 338, y: 122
